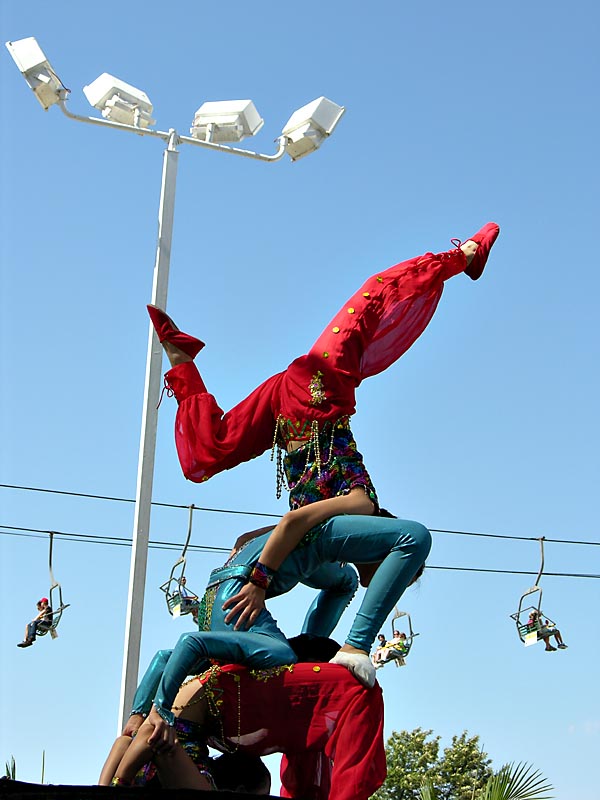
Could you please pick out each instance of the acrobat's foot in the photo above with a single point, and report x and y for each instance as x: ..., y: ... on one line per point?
x: 359, y: 665
x: 477, y: 258
x: 169, y: 334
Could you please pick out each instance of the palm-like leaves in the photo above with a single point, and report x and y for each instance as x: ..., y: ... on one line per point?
x: 512, y: 782
x: 428, y: 791
x: 517, y: 782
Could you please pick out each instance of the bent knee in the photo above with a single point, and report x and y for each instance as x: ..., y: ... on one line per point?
x: 349, y: 584
x: 422, y: 538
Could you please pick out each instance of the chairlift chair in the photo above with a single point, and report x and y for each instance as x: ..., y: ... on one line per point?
x: 529, y: 633
x: 54, y: 597
x: 180, y: 600
x: 57, y: 612
x: 398, y: 654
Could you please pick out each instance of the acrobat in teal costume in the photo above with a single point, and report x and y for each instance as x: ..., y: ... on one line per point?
x: 400, y: 545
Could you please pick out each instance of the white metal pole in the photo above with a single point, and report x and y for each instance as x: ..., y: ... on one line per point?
x: 143, y: 499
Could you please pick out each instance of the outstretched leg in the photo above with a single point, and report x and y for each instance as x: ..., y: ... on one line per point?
x: 392, y: 309
x: 377, y: 325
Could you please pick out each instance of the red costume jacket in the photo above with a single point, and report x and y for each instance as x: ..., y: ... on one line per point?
x: 328, y: 726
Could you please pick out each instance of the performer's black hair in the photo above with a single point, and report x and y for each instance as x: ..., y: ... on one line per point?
x: 240, y: 771
x: 313, y: 648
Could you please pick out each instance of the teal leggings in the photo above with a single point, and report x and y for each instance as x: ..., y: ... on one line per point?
x: 399, y: 546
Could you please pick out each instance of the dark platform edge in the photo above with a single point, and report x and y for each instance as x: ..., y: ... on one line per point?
x: 37, y: 791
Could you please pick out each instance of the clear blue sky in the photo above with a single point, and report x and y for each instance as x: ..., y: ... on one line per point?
x: 457, y: 113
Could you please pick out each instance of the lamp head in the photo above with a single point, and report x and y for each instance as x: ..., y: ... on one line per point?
x: 308, y: 127
x: 36, y: 69
x: 119, y: 101
x: 226, y: 121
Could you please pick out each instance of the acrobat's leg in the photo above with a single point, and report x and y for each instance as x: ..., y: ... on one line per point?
x: 178, y: 771
x: 328, y: 606
x: 401, y: 547
x: 142, y: 700
x: 193, y: 652
x: 113, y: 760
x: 135, y: 756
x: 386, y: 315
x: 209, y: 440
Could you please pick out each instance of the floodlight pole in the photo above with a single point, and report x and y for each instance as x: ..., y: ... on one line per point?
x: 145, y: 477
x: 143, y: 500
x: 50, y: 90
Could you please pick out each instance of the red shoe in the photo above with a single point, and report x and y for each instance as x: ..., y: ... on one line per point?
x: 485, y: 238
x: 167, y: 331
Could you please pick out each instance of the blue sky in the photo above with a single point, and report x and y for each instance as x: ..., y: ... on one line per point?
x: 456, y: 114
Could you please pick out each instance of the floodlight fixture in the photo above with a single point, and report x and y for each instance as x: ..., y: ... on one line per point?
x: 31, y: 61
x: 226, y: 121
x: 119, y: 101
x: 309, y: 126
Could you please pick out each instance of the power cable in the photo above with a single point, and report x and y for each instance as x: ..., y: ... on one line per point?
x: 277, y: 516
x: 37, y: 533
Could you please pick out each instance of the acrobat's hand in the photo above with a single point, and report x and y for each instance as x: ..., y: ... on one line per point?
x: 248, y: 603
x: 163, y: 738
x: 133, y: 724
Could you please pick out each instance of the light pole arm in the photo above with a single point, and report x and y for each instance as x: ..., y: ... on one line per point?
x: 238, y: 151
x: 166, y: 135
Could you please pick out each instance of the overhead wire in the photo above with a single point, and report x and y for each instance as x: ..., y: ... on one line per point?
x: 119, y: 541
x: 277, y: 516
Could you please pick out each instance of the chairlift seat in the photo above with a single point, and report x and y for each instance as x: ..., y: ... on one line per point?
x: 43, y: 628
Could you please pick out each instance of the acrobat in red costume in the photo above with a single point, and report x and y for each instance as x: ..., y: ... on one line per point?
x: 328, y: 726
x: 371, y: 331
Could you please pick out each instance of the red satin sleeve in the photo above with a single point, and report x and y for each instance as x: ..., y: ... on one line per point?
x: 208, y: 440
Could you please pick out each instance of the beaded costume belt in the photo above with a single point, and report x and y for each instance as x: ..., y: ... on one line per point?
x: 221, y: 574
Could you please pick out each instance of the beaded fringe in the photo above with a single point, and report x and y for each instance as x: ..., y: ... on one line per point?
x: 313, y: 449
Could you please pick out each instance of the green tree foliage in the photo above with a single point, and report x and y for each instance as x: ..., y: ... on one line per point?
x: 413, y: 760
x: 464, y: 769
